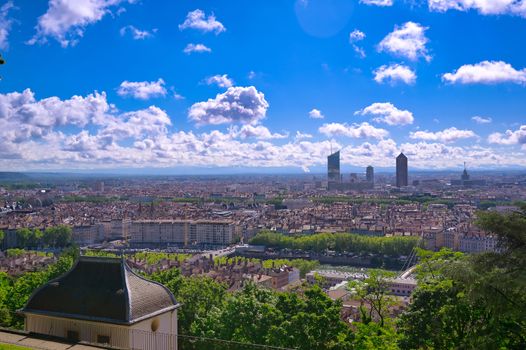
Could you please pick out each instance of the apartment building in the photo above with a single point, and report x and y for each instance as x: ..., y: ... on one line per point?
x: 182, y: 232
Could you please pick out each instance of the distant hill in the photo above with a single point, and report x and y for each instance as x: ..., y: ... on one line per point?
x: 13, y: 176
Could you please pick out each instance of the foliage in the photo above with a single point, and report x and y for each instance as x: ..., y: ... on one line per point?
x: 58, y: 236
x: 153, y: 258
x: 253, y: 315
x: 472, y: 301
x: 14, y: 293
x: 197, y: 294
x: 373, y: 293
x: 339, y: 242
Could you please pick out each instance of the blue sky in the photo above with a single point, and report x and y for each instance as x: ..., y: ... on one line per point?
x: 262, y: 84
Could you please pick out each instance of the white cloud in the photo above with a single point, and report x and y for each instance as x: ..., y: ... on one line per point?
x: 316, y: 114
x: 486, y: 72
x: 485, y: 7
x: 149, y: 122
x: 142, y: 89
x: 259, y: 132
x: 363, y: 130
x: 394, y: 73
x: 481, y: 120
x: 197, y: 20
x: 510, y: 137
x: 355, y: 36
x: 136, y: 33
x: 387, y: 113
x: 407, y: 41
x: 382, y: 3
x: 301, y: 136
x: 196, y: 48
x: 35, y: 135
x: 5, y: 24
x: 66, y: 20
x: 447, y: 135
x: 243, y: 105
x: 220, y: 80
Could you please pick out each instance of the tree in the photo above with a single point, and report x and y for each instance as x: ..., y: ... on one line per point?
x: 374, y: 296
x: 23, y: 237
x: 472, y: 301
x: 58, y: 236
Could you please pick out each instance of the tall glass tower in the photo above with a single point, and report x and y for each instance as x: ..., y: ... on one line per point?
x: 333, y: 168
x: 401, y: 170
x: 369, y: 174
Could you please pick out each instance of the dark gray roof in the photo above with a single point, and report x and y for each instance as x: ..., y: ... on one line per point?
x: 101, y: 289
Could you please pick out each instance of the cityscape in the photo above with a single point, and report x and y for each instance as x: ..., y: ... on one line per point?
x: 303, y: 174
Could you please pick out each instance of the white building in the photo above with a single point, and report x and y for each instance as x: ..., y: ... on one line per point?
x: 101, y: 300
x: 184, y: 232
x: 473, y: 244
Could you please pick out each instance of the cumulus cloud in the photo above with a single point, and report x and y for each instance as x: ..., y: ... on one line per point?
x: 408, y: 40
x: 447, y: 135
x: 316, y: 114
x: 301, y: 136
x: 382, y: 3
x: 197, y: 19
x: 199, y: 48
x: 354, y: 37
x: 394, y: 73
x: 386, y: 112
x: 363, y: 130
x: 66, y: 20
x: 510, y: 137
x: 142, y: 90
x: 481, y: 120
x: 485, y: 7
x: 35, y: 135
x: 258, y: 132
x: 486, y: 72
x: 244, y: 105
x: 5, y: 24
x: 136, y: 33
x: 220, y: 80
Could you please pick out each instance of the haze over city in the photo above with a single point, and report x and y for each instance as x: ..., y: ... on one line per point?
x: 206, y: 87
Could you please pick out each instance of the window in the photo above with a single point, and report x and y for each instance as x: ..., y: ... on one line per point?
x: 72, y: 336
x: 103, y: 339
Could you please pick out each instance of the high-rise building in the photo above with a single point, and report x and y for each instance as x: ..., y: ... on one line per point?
x: 401, y: 171
x: 369, y: 174
x: 465, y: 175
x: 333, y: 168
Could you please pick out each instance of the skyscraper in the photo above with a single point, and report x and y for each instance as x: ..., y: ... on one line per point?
x: 369, y: 174
x: 333, y: 169
x: 401, y: 170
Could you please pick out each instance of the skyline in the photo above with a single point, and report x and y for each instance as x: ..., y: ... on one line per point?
x: 271, y: 85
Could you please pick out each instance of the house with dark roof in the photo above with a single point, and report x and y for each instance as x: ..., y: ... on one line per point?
x: 101, y: 300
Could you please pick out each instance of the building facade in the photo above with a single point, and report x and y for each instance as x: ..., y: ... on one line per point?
x: 333, y: 170
x: 369, y: 174
x: 402, y: 178
x: 182, y: 232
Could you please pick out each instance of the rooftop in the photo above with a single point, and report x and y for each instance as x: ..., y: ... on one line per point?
x: 103, y: 290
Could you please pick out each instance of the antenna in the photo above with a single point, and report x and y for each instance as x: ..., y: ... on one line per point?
x: 464, y: 165
x: 331, y: 146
